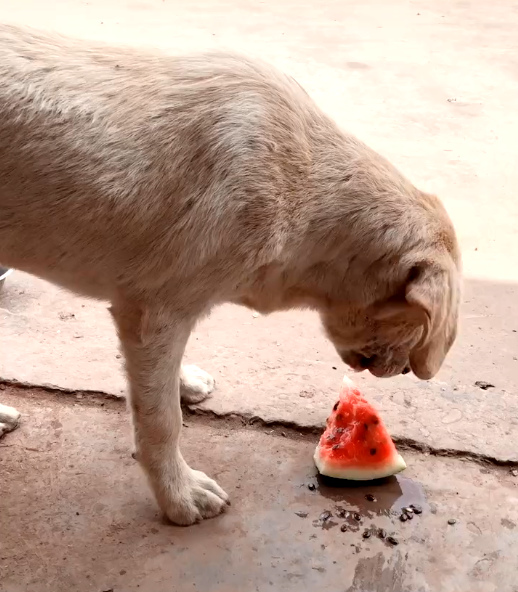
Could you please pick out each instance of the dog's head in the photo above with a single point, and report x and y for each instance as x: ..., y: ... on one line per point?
x: 412, y: 330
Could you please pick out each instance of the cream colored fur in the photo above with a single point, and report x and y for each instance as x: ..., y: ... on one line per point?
x: 168, y: 185
x: 9, y: 419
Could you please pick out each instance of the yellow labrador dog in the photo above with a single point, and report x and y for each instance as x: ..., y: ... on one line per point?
x: 168, y: 185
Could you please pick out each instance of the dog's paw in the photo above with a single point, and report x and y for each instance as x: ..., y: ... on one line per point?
x: 195, y: 384
x: 193, y: 499
x: 9, y: 419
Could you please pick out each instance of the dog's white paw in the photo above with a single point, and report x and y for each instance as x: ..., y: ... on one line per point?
x: 195, y: 384
x: 9, y: 419
x: 192, y: 498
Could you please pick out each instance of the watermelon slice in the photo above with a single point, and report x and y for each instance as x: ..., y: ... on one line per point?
x: 356, y: 444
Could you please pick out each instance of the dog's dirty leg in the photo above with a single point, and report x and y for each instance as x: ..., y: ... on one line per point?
x: 153, y: 342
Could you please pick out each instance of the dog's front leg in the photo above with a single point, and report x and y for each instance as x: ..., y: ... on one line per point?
x: 153, y: 342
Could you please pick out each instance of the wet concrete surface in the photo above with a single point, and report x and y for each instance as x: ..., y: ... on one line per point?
x: 76, y: 514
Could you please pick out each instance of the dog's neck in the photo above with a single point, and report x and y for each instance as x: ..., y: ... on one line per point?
x: 356, y: 221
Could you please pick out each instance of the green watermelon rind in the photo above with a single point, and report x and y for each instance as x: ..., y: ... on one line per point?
x: 394, y: 466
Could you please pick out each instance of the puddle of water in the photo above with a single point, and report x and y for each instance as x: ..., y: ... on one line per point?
x: 325, y: 521
x: 354, y: 501
x: 386, y: 496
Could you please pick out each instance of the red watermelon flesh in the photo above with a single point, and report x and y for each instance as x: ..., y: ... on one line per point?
x: 356, y: 444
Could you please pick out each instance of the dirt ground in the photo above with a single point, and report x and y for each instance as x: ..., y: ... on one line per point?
x: 433, y: 87
x: 77, y: 515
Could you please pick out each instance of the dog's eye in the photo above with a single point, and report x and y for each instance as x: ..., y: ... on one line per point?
x: 414, y: 273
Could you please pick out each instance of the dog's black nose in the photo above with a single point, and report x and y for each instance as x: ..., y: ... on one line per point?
x: 406, y: 370
x: 366, y: 362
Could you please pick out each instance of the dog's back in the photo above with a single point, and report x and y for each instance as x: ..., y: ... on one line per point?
x: 108, y: 155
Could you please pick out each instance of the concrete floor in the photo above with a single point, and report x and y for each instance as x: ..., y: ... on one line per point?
x: 77, y: 515
x: 433, y: 87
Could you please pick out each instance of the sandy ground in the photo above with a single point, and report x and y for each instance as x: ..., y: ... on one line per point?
x: 433, y: 87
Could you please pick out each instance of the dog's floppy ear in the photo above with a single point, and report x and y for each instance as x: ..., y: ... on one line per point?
x: 433, y: 290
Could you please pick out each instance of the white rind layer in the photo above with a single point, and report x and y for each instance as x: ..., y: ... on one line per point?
x: 394, y: 466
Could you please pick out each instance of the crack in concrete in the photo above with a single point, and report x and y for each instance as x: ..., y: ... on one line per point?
x: 410, y: 444
x: 58, y: 390
x: 401, y: 442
